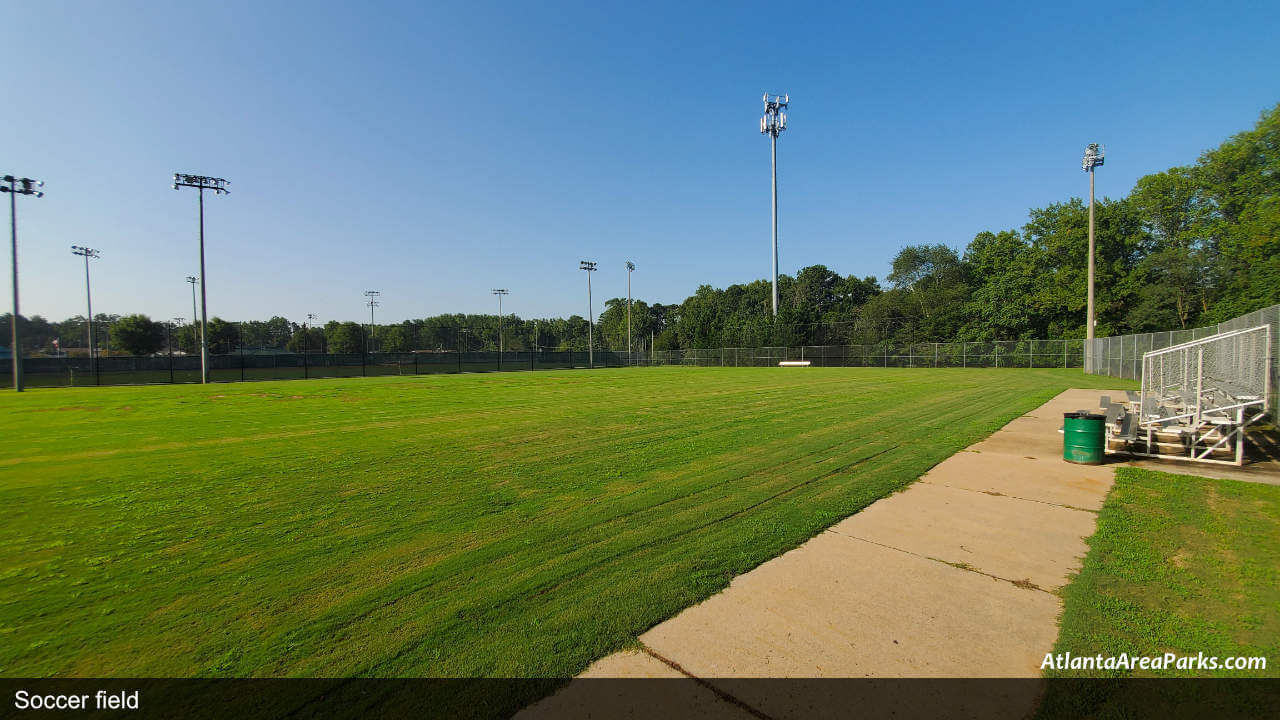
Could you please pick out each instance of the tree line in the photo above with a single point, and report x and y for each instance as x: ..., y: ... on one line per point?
x: 1190, y: 246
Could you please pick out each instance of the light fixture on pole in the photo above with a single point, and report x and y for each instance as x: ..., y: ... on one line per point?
x: 219, y: 187
x: 16, y: 186
x: 177, y: 322
x: 1094, y: 155
x: 87, y: 253
x: 630, y: 268
x: 772, y: 123
x: 372, y: 303
x: 590, y: 267
x: 306, y: 331
x: 193, y: 281
x: 500, y: 292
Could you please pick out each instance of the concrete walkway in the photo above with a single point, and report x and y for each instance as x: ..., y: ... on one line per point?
x: 952, y: 577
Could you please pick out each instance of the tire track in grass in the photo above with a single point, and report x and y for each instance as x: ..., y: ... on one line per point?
x: 845, y: 402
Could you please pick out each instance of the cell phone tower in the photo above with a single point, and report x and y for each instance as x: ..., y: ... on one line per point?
x: 772, y: 124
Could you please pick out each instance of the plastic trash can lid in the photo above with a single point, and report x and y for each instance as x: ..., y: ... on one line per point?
x: 1083, y: 415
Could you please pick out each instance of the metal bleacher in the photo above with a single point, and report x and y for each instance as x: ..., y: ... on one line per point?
x: 1198, y: 399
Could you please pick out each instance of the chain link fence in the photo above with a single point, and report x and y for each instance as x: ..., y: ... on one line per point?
x: 1121, y: 355
x: 81, y: 371
x: 1010, y: 353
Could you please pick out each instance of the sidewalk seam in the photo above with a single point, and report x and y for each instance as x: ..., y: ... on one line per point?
x: 726, y: 697
x: 1016, y: 583
x: 1014, y: 497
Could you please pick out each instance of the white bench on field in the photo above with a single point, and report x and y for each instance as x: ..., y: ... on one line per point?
x: 794, y: 363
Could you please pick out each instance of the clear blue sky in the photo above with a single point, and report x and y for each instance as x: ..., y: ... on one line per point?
x: 436, y: 151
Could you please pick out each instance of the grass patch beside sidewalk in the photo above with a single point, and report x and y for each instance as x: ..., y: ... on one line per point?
x: 1182, y: 565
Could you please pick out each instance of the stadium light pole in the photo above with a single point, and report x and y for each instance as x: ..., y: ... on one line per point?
x: 306, y: 330
x: 311, y: 321
x: 87, y: 253
x: 193, y: 280
x: 16, y: 186
x: 500, y: 292
x: 219, y: 187
x: 372, y: 303
x: 177, y: 323
x: 590, y: 267
x: 1094, y: 155
x: 772, y: 123
x: 630, y: 268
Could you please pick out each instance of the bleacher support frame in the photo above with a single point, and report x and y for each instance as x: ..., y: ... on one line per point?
x: 1205, y: 409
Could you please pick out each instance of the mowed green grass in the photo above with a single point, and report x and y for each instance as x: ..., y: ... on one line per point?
x: 516, y: 525
x: 1183, y: 565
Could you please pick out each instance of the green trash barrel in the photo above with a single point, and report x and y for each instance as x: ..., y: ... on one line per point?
x: 1084, y: 438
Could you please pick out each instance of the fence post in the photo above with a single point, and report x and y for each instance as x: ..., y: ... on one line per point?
x: 415, y: 363
x: 964, y: 355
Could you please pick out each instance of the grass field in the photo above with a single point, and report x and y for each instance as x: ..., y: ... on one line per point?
x: 470, y: 525
x: 1179, y: 564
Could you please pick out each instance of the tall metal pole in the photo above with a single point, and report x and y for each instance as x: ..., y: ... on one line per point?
x: 177, y: 322
x: 88, y: 297
x: 192, y: 280
x: 168, y: 341
x: 14, y: 346
x: 500, y: 292
x: 88, y: 253
x: 590, y: 267
x: 630, y: 267
x: 1090, y: 321
x: 306, y: 330
x: 773, y: 123
x: 14, y: 186
x: 591, y: 325
x: 373, y: 303
x: 1094, y: 157
x: 773, y: 141
x: 204, y: 303
x: 219, y: 187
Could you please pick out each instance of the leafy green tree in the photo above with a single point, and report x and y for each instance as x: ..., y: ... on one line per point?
x: 1176, y: 268
x: 311, y: 340
x: 137, y: 335
x: 394, y: 338
x: 187, y: 338
x: 936, y: 286
x: 224, y: 337
x: 347, y: 337
x: 1240, y: 182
